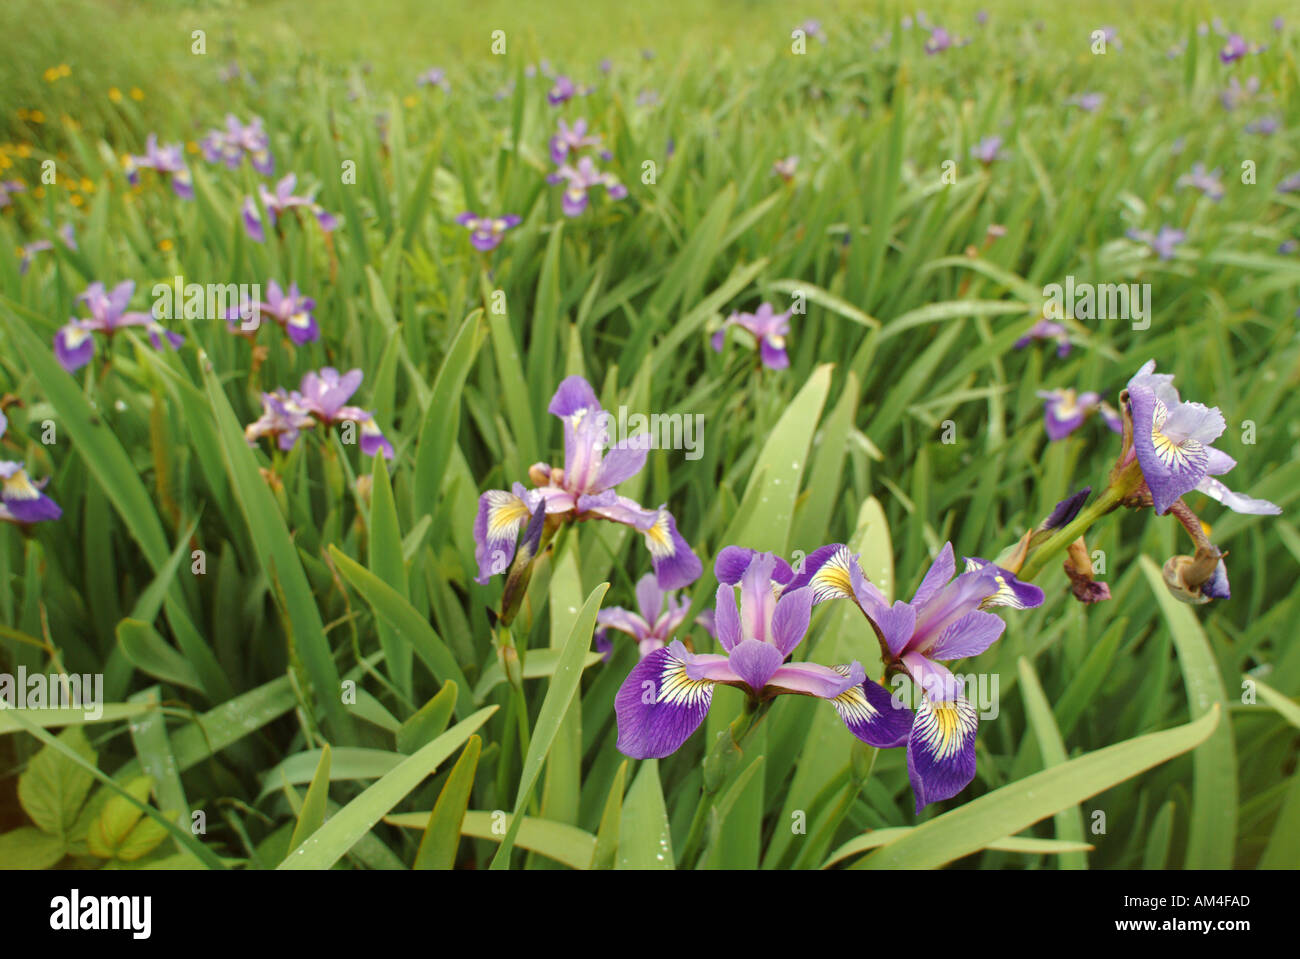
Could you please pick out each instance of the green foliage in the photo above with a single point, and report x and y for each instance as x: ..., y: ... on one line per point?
x: 299, y: 668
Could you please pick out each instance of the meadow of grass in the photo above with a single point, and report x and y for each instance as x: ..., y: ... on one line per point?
x: 298, y: 666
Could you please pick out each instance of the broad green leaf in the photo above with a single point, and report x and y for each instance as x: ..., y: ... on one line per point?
x: 429, y: 721
x: 566, y: 844
x: 442, y: 835
x: 607, y: 834
x: 389, y: 605
x: 1212, y: 831
x: 1069, y: 822
x: 28, y: 848
x: 345, y: 829
x: 643, y: 839
x: 312, y: 814
x: 1026, y: 844
x: 53, y: 787
x: 1017, y: 806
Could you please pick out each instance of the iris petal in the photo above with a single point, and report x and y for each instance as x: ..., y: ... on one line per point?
x: 659, y: 706
x: 941, y: 749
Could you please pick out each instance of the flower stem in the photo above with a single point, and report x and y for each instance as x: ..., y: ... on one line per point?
x: 720, y: 767
x: 1110, y: 498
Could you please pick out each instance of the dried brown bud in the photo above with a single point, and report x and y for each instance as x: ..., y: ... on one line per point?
x: 1078, y: 566
x: 1197, y: 579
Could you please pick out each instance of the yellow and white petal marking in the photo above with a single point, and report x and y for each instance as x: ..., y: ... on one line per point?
x: 1173, y: 454
x: 943, y: 727
x: 678, y: 689
x: 19, y: 486
x: 74, y: 336
x: 658, y: 538
x: 506, y: 513
x: 852, y: 704
x: 835, y: 578
x: 300, y: 319
x: 1067, y: 405
x: 1005, y: 596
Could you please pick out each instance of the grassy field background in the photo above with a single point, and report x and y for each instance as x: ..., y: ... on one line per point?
x: 227, y: 682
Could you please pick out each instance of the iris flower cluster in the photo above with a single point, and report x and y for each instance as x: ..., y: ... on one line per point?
x: 321, y: 397
x: 230, y: 145
x: 289, y: 308
x: 487, y: 232
x: 580, y: 173
x: 668, y: 693
x: 74, y: 343
x: 168, y: 160
x: 582, y: 489
x: 279, y: 201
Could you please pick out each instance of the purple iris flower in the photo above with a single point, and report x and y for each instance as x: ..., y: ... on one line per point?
x: 324, y: 395
x: 768, y: 327
x: 1264, y: 126
x: 1278, y: 24
x: 1171, y: 442
x: 1207, y: 182
x: 283, y: 418
x: 278, y: 202
x: 74, y: 343
x: 485, y: 232
x: 583, y: 489
x: 229, y: 146
x: 290, y: 309
x: 1164, y: 241
x: 570, y: 139
x: 813, y: 28
x: 1064, y: 412
x: 168, y: 159
x: 987, y: 150
x: 1290, y: 185
x: 667, y: 695
x: 434, y: 77
x: 1234, y: 49
x: 21, y: 500
x: 565, y: 90
x: 320, y: 397
x: 581, y: 180
x: 660, y: 613
x: 944, y: 621
x: 7, y: 189
x: 1087, y: 102
x: 1046, y: 329
x: 938, y: 41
